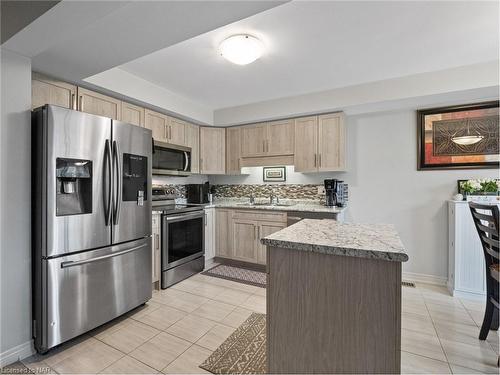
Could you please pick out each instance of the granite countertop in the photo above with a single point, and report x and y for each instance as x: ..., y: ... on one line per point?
x: 374, y: 241
x: 305, y: 206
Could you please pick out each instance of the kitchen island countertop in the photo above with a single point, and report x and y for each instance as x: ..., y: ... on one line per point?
x: 375, y: 241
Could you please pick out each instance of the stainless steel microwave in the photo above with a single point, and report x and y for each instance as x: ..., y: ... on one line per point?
x: 171, y: 159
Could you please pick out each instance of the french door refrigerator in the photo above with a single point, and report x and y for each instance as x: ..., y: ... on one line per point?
x: 91, y: 222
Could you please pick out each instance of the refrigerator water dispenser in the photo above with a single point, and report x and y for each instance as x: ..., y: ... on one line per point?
x: 74, y: 187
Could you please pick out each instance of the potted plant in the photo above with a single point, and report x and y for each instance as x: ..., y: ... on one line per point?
x: 484, y: 186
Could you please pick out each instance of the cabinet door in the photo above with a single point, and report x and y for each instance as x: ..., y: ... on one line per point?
x: 212, y: 150
x: 98, y: 104
x: 266, y: 229
x: 223, y: 232
x: 176, y: 131
x: 132, y: 114
x: 209, y: 233
x: 306, y: 144
x: 331, y: 142
x: 157, y: 122
x: 280, y: 138
x: 244, y: 240
x: 233, y: 142
x: 253, y: 140
x: 156, y: 229
x: 192, y: 135
x: 46, y: 90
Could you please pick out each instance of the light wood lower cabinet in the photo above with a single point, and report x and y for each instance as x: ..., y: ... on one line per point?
x: 266, y: 229
x: 212, y: 150
x: 132, y: 114
x: 156, y: 248
x: 223, y: 232
x: 98, y: 104
x: 45, y: 90
x: 239, y: 233
x: 244, y: 240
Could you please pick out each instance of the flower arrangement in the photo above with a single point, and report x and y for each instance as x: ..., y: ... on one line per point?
x: 482, y: 186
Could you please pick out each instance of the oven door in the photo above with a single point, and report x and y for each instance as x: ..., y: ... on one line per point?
x: 183, y: 238
x: 171, y: 159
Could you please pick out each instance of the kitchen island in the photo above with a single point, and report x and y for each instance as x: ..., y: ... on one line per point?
x: 334, y: 298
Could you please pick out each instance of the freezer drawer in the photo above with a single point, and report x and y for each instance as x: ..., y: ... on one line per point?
x: 86, y: 290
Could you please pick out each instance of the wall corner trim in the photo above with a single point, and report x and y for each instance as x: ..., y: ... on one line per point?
x: 17, y: 353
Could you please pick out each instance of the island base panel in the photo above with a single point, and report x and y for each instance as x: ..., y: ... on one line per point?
x: 332, y: 314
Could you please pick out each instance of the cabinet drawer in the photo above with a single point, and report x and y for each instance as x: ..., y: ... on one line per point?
x: 260, y: 215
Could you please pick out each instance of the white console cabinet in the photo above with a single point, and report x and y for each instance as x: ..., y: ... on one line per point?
x: 466, y: 267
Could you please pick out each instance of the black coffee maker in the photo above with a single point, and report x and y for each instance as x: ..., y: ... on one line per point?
x: 331, y: 187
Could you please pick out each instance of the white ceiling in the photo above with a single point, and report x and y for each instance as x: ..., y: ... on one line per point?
x: 77, y: 39
x: 321, y: 45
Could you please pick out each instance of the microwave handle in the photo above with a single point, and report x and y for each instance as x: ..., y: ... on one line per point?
x: 186, y: 162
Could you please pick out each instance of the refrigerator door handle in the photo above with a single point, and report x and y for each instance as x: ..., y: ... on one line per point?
x: 107, y: 180
x: 96, y: 259
x: 117, y: 170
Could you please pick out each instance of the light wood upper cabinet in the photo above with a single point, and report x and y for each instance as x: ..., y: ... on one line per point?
x: 212, y: 150
x: 192, y: 134
x: 99, y: 104
x: 280, y: 137
x: 132, y: 114
x: 45, y: 90
x: 266, y: 229
x: 320, y: 143
x: 253, y: 140
x: 306, y: 144
x: 331, y: 142
x: 157, y: 123
x: 233, y: 143
x: 176, y: 131
x: 223, y: 233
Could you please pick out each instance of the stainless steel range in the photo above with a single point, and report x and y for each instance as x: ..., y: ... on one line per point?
x: 182, y: 237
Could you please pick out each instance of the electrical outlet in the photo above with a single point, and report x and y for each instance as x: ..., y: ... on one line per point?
x: 321, y: 190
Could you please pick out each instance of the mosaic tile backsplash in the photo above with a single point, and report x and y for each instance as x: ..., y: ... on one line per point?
x: 291, y: 191
x: 263, y: 191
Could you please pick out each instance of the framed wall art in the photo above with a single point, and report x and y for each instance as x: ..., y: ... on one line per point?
x: 274, y: 174
x: 459, y: 137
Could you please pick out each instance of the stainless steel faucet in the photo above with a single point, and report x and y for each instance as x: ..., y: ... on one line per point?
x: 273, y: 199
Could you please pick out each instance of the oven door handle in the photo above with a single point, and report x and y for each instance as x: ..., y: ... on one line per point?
x: 185, y: 216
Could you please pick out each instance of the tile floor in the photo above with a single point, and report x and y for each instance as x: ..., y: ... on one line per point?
x: 180, y: 327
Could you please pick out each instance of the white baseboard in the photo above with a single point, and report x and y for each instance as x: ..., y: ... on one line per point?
x: 425, y: 279
x: 17, y: 353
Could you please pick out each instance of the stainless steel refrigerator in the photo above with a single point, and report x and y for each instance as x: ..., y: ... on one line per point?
x: 91, y: 228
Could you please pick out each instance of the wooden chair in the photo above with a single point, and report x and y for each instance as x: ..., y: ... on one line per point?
x: 486, y: 219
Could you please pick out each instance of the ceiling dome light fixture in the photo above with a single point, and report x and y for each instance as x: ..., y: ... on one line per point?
x: 241, y: 49
x: 467, y: 139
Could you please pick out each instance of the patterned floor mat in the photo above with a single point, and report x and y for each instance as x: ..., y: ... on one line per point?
x: 241, y: 275
x: 244, y: 352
